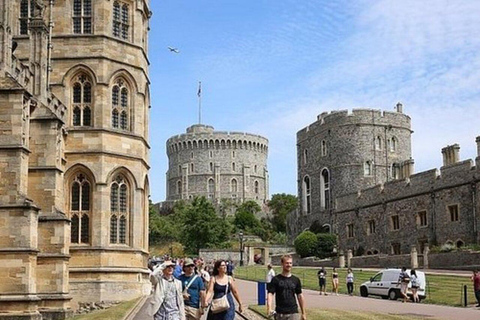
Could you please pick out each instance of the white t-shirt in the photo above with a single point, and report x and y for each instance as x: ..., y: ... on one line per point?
x: 270, y: 275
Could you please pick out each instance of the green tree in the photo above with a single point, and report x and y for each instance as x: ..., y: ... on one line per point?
x: 306, y: 244
x: 202, y: 227
x: 280, y: 205
x: 245, y: 218
x: 165, y: 228
x: 325, y: 244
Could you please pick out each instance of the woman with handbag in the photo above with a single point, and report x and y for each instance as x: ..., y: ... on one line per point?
x: 221, y: 288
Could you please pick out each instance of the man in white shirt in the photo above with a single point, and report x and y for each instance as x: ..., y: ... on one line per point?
x: 270, y: 274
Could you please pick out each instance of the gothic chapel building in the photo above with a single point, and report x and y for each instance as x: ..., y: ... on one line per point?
x: 74, y: 154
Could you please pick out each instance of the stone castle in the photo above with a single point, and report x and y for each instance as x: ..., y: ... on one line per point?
x: 74, y: 154
x: 217, y: 165
x: 356, y: 179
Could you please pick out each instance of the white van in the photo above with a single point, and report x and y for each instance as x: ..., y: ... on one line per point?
x: 386, y: 285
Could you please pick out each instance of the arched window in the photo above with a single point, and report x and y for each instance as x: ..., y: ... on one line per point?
x: 305, y: 156
x: 210, y: 187
x: 120, y: 20
x: 119, y: 210
x: 80, y: 209
x: 234, y: 185
x: 192, y: 168
x: 394, y: 171
x: 306, y: 195
x: 82, y: 100
x: 368, y: 168
x: 256, y: 187
x: 233, y: 166
x: 378, y: 143
x: 82, y: 16
x: 120, y: 105
x: 325, y: 189
x: 392, y: 144
x: 324, y: 148
x: 179, y: 187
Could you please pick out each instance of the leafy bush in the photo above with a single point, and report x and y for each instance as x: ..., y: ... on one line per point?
x: 325, y: 244
x: 447, y: 247
x: 306, y: 244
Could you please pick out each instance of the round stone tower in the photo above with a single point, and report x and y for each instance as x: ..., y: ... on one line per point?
x: 343, y: 152
x: 217, y: 165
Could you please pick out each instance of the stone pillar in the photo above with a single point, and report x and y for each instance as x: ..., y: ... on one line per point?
x: 341, y: 260
x: 399, y: 107
x: 5, y: 36
x: 426, y: 252
x: 38, y: 50
x: 413, y: 258
x: 349, y: 258
x: 251, y: 254
x: 451, y: 154
x: 266, y: 256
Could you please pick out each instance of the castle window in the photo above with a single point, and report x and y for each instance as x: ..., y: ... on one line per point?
x: 378, y: 143
x: 211, y: 166
x: 191, y: 155
x: 306, y: 195
x: 233, y: 153
x: 459, y: 243
x: 255, y: 168
x: 120, y: 103
x: 120, y: 20
x: 422, y: 218
x: 256, y: 187
x: 80, y: 210
x: 305, y: 156
x: 395, y: 222
x: 324, y: 148
x: 396, y: 248
x: 82, y: 16
x: 371, y: 227
x: 211, y: 186
x: 325, y: 189
x: 234, y: 185
x: 179, y: 187
x: 192, y: 168
x: 394, y: 171
x: 233, y: 166
x: 26, y: 11
x: 453, y: 211
x: 392, y: 144
x: 82, y: 101
x: 119, y: 210
x: 350, y: 231
x: 210, y: 154
x: 368, y: 168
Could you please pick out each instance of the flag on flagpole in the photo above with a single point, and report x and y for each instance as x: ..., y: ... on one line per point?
x: 199, y: 93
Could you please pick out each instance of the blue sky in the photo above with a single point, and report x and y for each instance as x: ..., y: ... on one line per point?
x: 270, y: 67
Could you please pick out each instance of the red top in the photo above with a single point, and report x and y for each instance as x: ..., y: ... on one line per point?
x: 476, y: 282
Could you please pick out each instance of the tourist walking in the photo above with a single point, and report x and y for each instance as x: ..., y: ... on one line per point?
x: 322, y: 280
x: 221, y: 288
x: 166, y: 301
x: 193, y: 291
x: 476, y: 286
x: 403, y: 280
x: 270, y: 274
x: 350, y: 279
x: 203, y: 272
x: 285, y: 287
x: 335, y: 281
x: 415, y: 281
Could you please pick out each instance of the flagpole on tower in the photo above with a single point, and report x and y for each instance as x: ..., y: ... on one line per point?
x: 199, y: 94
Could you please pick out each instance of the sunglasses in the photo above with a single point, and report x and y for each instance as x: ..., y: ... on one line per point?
x: 169, y: 267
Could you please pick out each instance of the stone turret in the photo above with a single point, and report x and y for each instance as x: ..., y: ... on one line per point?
x: 451, y: 154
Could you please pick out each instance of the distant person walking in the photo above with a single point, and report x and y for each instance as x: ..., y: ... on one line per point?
x: 350, y: 279
x: 270, y: 275
x: 415, y: 285
x: 322, y: 280
x: 335, y: 281
x: 476, y: 286
x: 166, y: 301
x: 220, y: 285
x: 285, y: 287
x: 193, y: 291
x: 404, y: 279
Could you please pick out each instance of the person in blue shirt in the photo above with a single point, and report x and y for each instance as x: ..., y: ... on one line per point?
x: 193, y: 291
x: 178, y: 269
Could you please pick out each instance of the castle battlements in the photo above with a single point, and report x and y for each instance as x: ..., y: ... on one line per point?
x: 359, y: 116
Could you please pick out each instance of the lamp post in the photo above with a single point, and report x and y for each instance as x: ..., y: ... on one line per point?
x: 240, y: 235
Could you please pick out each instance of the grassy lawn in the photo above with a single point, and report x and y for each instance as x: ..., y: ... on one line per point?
x: 113, y: 313
x: 318, y: 314
x: 441, y: 289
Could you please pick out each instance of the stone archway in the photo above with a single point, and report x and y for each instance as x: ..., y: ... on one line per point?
x: 264, y: 251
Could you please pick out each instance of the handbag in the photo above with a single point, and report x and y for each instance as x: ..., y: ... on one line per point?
x: 221, y: 304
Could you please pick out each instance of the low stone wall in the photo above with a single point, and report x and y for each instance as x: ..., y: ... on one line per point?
x: 381, y: 261
x: 209, y: 255
x: 306, y: 262
x: 456, y: 260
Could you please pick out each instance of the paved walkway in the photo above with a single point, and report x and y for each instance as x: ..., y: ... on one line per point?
x: 248, y: 294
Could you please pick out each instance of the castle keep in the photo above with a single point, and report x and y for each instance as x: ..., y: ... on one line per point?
x: 217, y: 165
x: 356, y: 179
x: 74, y: 92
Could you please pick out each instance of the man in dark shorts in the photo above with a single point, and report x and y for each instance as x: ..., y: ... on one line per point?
x: 285, y: 287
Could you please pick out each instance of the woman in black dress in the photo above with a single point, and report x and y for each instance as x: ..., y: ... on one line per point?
x: 221, y: 284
